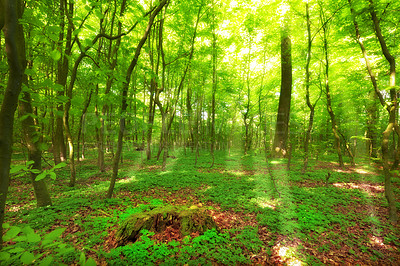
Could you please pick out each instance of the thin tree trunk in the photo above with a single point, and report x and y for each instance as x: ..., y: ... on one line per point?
x: 124, y: 94
x: 328, y: 94
x: 214, y: 90
x: 81, y: 123
x: 307, y: 84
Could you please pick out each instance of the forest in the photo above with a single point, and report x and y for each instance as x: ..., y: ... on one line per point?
x: 199, y: 132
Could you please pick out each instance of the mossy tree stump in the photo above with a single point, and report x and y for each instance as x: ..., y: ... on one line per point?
x: 187, y: 219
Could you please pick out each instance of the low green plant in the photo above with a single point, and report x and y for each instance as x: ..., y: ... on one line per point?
x: 29, y: 247
x: 211, y: 247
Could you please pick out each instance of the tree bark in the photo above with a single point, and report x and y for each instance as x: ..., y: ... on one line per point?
x: 15, y: 50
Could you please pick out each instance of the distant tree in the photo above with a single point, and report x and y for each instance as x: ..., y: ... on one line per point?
x: 280, y: 146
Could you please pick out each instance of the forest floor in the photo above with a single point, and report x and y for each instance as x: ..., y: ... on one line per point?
x: 287, y: 218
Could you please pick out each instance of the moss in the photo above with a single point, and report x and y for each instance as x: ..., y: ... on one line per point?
x: 187, y: 219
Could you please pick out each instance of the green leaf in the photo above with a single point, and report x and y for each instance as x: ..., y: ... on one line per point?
x: 60, y: 165
x: 16, y: 168
x: 33, y: 237
x: 16, y: 250
x: 55, y: 54
x: 46, y: 261
x: 82, y: 259
x: 54, y: 234
x: 90, y: 262
x: 30, y: 72
x: 4, y: 256
x: 20, y: 239
x: 53, y: 175
x: 35, y: 171
x: 41, y: 176
x: 27, y: 230
x: 27, y: 258
x: 13, y: 232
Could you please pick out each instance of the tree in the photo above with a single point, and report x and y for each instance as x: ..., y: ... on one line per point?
x: 124, y: 93
x: 280, y: 148
x: 392, y: 107
x: 15, y: 48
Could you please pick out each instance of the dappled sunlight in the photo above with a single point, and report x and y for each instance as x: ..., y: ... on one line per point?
x: 361, y: 171
x: 14, y: 208
x: 263, y: 202
x: 376, y: 240
x: 367, y: 188
x: 235, y: 173
x: 128, y: 180
x: 287, y: 254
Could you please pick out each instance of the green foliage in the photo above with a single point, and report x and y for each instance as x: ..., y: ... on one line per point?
x: 204, y: 249
x: 28, y: 247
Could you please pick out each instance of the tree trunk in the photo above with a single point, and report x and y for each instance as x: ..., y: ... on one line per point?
x: 214, y: 90
x: 59, y: 148
x: 33, y: 145
x: 392, y: 126
x: 279, y: 148
x: 307, y: 84
x: 15, y: 49
x: 336, y: 135
x: 81, y: 126
x: 124, y: 94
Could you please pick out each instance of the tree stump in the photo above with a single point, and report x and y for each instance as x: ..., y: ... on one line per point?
x: 187, y: 219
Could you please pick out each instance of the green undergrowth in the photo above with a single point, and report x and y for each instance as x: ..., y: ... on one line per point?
x: 291, y: 204
x: 208, y: 249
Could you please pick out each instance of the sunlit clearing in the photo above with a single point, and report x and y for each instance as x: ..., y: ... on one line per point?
x: 287, y: 255
x: 369, y: 189
x: 128, y: 180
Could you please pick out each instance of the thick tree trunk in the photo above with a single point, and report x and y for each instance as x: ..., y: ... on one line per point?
x: 34, y: 153
x: 15, y: 49
x: 392, y: 108
x: 59, y: 148
x: 392, y: 126
x: 279, y: 148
